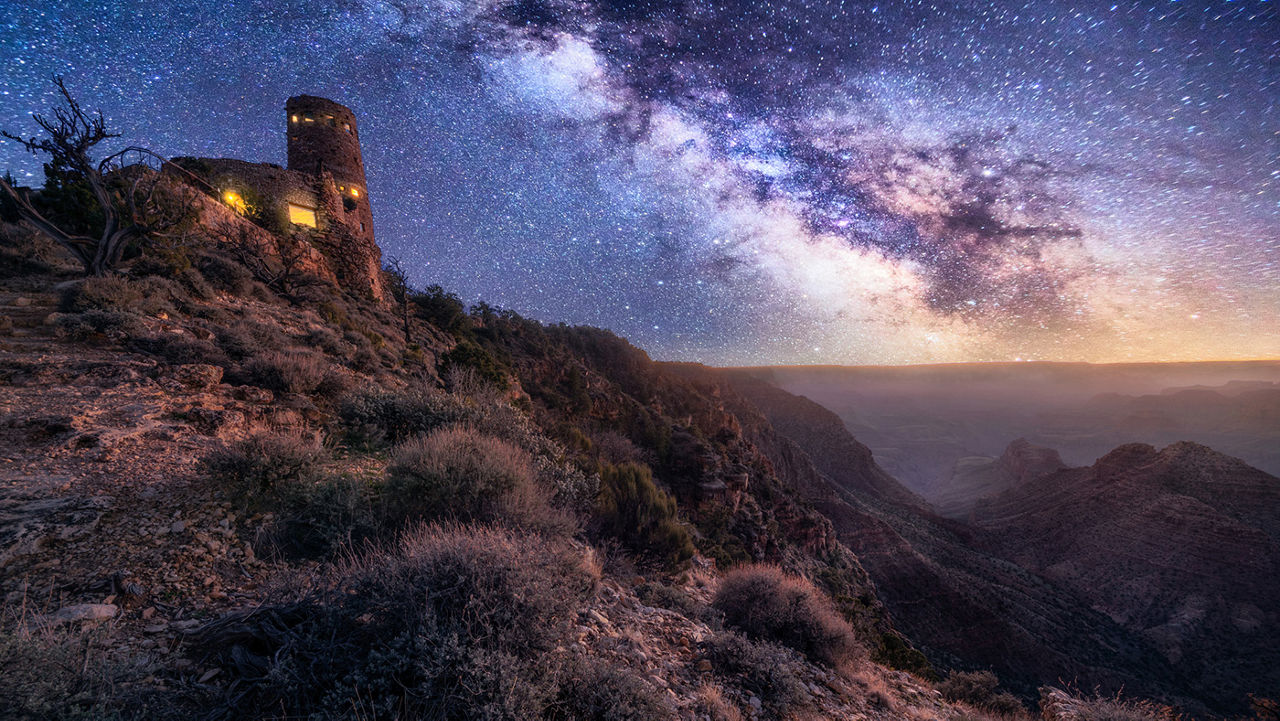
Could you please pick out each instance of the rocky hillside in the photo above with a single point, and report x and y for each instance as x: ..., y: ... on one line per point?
x: 962, y: 604
x: 213, y: 490
x: 1178, y: 545
x: 229, y: 493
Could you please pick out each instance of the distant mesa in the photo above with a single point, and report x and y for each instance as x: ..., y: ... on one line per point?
x: 977, y: 476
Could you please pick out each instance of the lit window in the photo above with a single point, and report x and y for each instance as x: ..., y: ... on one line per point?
x: 306, y: 117
x: 302, y: 215
x: 295, y: 118
x: 233, y: 199
x: 355, y: 193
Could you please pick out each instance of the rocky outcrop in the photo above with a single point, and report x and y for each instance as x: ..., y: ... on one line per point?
x: 1179, y: 546
x: 963, y: 605
x: 975, y: 477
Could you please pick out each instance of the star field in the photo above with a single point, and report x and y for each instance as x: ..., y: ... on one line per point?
x: 780, y: 181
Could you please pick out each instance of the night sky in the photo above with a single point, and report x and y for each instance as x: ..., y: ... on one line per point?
x: 807, y: 181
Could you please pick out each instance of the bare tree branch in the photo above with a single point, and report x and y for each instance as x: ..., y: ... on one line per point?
x: 130, y: 199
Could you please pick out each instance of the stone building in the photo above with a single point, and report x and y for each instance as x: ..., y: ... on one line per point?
x: 320, y: 199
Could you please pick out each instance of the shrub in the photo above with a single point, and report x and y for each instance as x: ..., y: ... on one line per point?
x: 633, y: 509
x: 452, y: 623
x: 767, y: 670
x: 765, y: 603
x: 181, y: 349
x: 289, y: 371
x: 1116, y: 708
x: 266, y: 462
x: 225, y: 274
x: 326, y: 340
x: 179, y: 281
x: 978, y: 689
x: 459, y: 473
x: 671, y: 598
x: 364, y: 358
x: 322, y: 516
x: 246, y: 339
x: 100, y: 325
x: 110, y: 292
x: 392, y: 416
x: 470, y: 355
x: 569, y: 485
x: 51, y: 673
x: 595, y: 690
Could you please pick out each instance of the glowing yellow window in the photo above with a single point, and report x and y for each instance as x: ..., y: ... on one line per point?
x: 355, y: 193
x: 302, y: 215
x: 234, y: 199
x: 295, y: 118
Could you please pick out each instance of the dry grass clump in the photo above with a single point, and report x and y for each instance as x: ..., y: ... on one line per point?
x: 709, y: 701
x: 599, y: 691
x: 101, y: 325
x: 112, y: 292
x: 979, y: 689
x: 387, y: 416
x: 451, y: 623
x: 1116, y: 708
x: 765, y: 603
x: 294, y: 371
x: 49, y: 673
x: 765, y: 669
x: 458, y: 473
x: 266, y: 462
x: 874, y: 689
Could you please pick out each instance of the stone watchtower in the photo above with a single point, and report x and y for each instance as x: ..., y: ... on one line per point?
x: 323, y: 137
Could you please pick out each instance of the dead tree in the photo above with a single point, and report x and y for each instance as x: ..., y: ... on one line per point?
x: 282, y: 263
x: 397, y: 283
x: 133, y: 201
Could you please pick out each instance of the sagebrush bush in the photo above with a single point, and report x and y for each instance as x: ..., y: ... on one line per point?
x: 634, y: 510
x: 462, y: 474
x: 49, y: 673
x: 980, y: 690
x: 110, y: 292
x: 179, y: 349
x: 569, y: 485
x: 320, y: 515
x: 101, y: 325
x: 326, y: 340
x: 266, y: 462
x: 293, y: 371
x: 451, y: 623
x: 225, y: 274
x: 245, y: 338
x: 594, y: 690
x: 383, y: 416
x: 671, y: 598
x: 765, y: 669
x: 766, y: 603
x: 161, y: 296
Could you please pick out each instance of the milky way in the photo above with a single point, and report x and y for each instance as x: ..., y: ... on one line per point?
x: 757, y: 182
